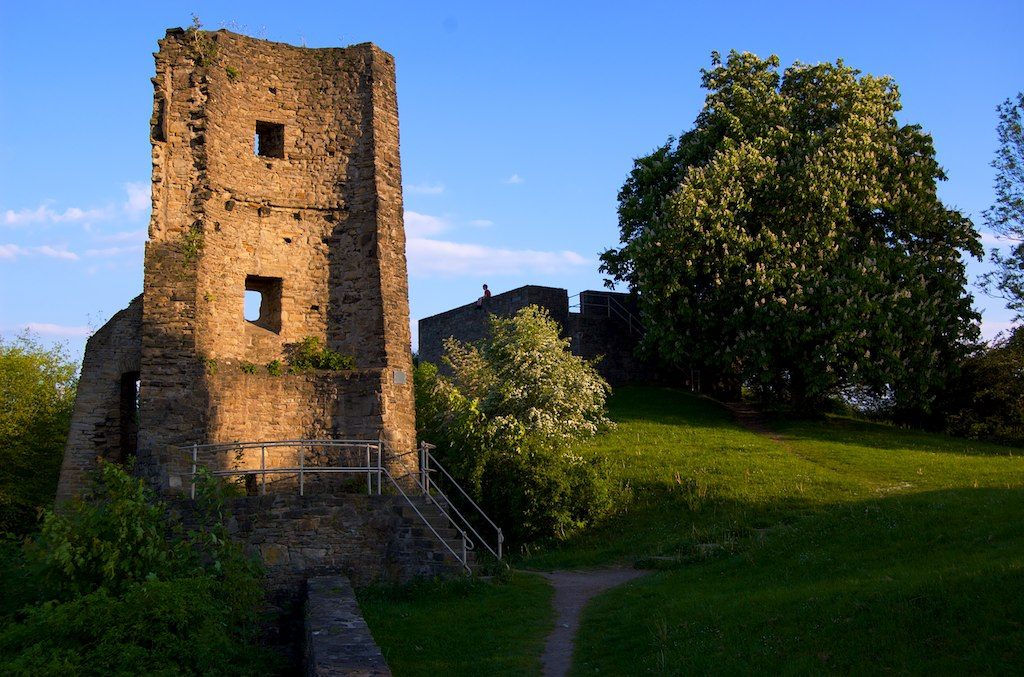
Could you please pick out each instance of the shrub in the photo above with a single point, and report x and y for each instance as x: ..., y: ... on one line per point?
x: 121, y: 588
x: 987, y: 399
x: 310, y: 354
x: 506, y: 424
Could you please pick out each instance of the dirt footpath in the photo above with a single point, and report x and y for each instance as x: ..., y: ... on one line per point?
x: 573, y: 589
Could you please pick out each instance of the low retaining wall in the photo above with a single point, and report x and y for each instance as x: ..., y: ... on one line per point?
x: 338, y: 641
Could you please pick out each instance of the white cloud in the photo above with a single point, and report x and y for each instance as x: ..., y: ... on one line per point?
x: 431, y: 258
x: 420, y: 225
x: 54, y: 252
x: 482, y: 223
x: 425, y: 188
x: 124, y: 236
x: 11, y: 251
x: 113, y: 251
x: 136, y: 203
x: 995, y: 240
x: 514, y: 180
x: 139, y: 200
x: 44, y: 214
x: 990, y: 329
x: 46, y: 329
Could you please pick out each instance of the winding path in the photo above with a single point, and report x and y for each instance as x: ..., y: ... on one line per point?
x: 573, y: 589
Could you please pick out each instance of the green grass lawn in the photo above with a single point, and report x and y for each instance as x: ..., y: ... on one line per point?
x: 839, y: 546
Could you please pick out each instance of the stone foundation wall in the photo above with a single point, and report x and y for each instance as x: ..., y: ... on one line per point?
x: 363, y: 537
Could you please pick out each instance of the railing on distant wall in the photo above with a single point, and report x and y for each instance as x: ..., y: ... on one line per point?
x: 597, y: 304
x: 312, y: 459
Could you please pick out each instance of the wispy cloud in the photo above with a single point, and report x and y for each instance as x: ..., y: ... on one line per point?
x: 514, y: 180
x: 445, y: 259
x: 10, y: 252
x: 124, y: 236
x: 996, y: 240
x: 45, y: 214
x: 56, y: 252
x: 136, y: 202
x: 482, y: 223
x: 113, y: 251
x: 46, y: 329
x: 421, y: 225
x: 425, y: 188
x: 139, y: 200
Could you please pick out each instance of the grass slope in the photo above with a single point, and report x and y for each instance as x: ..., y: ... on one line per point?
x: 833, y: 546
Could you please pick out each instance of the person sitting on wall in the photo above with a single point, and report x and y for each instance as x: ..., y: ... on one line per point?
x: 485, y: 298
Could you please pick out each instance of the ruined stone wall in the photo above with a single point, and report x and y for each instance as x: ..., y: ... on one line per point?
x: 104, y: 424
x: 276, y: 172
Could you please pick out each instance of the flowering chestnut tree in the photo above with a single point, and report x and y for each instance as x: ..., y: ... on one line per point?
x: 793, y: 239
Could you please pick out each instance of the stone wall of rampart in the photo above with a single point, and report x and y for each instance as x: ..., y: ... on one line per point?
x: 606, y: 328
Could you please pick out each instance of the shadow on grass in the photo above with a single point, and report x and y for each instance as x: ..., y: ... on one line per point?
x: 929, y: 583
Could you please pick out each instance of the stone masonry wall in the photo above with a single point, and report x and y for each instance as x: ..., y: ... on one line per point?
x: 276, y: 172
x: 363, y: 537
x: 470, y: 323
x: 595, y: 332
x: 98, y: 423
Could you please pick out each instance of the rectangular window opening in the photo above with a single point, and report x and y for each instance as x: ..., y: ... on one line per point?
x: 263, y: 302
x: 269, y: 140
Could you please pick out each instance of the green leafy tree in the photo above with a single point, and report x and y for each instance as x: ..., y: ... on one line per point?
x: 793, y: 239
x: 986, y: 400
x: 115, y: 585
x: 505, y: 426
x: 1006, y: 216
x: 37, y: 395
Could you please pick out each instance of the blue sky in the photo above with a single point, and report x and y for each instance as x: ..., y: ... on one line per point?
x: 519, y: 123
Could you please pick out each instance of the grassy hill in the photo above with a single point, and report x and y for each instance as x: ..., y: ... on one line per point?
x: 829, y: 546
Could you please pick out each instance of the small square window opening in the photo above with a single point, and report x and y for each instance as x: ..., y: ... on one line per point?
x: 269, y: 140
x: 263, y: 302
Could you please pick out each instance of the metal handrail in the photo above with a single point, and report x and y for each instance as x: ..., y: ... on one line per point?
x: 611, y: 307
x: 462, y: 524
x: 374, y: 467
x: 427, y: 462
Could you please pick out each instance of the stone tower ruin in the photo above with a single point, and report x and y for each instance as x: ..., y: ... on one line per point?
x: 276, y: 176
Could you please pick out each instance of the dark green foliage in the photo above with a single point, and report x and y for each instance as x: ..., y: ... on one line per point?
x: 505, y: 428
x: 541, y: 494
x: 310, y: 354
x: 986, y: 400
x: 114, y: 585
x: 793, y: 240
x: 37, y: 396
x: 175, y: 627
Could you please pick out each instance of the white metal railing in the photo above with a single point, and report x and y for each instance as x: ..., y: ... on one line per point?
x: 428, y: 465
x: 352, y: 457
